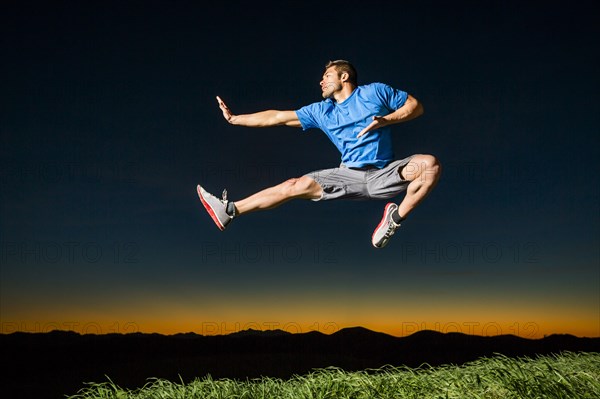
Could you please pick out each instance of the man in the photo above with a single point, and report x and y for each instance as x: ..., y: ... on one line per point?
x: 357, y: 120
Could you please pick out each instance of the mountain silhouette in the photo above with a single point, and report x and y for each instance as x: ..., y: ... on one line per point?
x: 53, y: 364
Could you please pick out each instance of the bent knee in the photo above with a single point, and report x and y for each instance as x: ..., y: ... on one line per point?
x: 422, y: 165
x: 429, y: 161
x: 430, y: 164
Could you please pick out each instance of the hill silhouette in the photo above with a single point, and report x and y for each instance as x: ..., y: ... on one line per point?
x: 53, y: 364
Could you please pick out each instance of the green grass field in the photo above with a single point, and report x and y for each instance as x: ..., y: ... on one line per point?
x: 568, y: 376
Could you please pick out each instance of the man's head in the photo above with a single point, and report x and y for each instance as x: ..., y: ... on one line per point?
x: 343, y: 66
x: 337, y: 74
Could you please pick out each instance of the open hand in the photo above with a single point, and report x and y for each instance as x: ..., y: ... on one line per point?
x: 226, y: 112
x: 378, y: 122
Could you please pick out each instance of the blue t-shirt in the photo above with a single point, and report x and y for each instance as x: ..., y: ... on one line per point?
x: 342, y: 122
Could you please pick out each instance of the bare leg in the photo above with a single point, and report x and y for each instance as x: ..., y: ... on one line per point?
x: 423, y: 172
x: 303, y: 187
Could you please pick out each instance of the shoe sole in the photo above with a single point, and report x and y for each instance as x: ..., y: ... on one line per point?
x: 210, y: 210
x: 383, y: 219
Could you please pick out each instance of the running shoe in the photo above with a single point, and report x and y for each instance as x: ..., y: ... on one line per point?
x: 386, y: 228
x: 216, y: 207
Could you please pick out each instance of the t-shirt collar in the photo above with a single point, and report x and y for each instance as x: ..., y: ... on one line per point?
x: 346, y: 100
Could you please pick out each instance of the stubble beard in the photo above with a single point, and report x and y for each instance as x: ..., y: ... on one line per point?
x: 330, y: 89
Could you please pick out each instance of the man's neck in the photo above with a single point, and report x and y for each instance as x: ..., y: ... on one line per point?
x: 343, y: 94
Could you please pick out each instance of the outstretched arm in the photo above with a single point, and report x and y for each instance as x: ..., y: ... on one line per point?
x: 410, y: 110
x: 260, y: 119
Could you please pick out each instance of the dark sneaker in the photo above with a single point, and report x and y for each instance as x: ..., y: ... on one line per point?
x: 216, y: 207
x: 387, y: 227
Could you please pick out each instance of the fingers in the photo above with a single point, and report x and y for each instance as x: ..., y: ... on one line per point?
x: 226, y: 112
x: 222, y: 105
x: 370, y: 127
x: 378, y: 122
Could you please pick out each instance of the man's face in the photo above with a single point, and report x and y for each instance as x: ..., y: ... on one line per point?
x: 330, y: 83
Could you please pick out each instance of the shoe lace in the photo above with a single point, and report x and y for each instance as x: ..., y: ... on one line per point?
x: 392, y: 227
x: 225, y: 202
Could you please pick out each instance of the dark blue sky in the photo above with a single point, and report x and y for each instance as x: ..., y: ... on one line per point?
x: 109, y: 121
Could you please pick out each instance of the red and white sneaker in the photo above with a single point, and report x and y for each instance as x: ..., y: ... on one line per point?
x: 216, y: 207
x: 386, y: 228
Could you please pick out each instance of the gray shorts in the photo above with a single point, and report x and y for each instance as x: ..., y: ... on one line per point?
x: 361, y: 184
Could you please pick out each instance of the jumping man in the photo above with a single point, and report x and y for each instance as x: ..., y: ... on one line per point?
x: 357, y: 119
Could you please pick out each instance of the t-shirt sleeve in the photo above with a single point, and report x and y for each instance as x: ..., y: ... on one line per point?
x: 392, y: 98
x: 307, y: 114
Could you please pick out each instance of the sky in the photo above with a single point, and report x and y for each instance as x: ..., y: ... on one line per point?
x: 109, y: 120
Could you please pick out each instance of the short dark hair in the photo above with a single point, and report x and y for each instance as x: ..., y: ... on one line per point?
x: 342, y: 66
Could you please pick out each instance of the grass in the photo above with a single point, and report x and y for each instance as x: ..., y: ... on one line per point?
x: 567, y: 375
